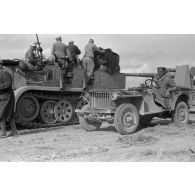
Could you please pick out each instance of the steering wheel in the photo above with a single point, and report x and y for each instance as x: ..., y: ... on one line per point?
x: 16, y: 59
x: 150, y: 83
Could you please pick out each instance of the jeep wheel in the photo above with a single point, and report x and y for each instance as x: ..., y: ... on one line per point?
x: 180, y: 115
x: 126, y: 119
x: 88, y: 125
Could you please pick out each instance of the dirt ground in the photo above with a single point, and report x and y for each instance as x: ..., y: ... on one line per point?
x: 160, y: 141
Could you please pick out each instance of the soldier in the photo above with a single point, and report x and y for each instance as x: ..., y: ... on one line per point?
x: 60, y: 51
x: 74, y: 52
x: 7, y: 101
x: 88, y: 58
x: 30, y: 57
x: 166, y: 84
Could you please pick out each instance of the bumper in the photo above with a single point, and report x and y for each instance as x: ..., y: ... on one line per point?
x: 96, y: 111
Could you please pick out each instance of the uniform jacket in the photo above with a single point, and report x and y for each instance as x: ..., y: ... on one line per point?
x: 30, y: 55
x: 5, y: 79
x: 166, y: 82
x: 74, y: 50
x: 89, y: 50
x: 59, y: 50
x: 7, y: 98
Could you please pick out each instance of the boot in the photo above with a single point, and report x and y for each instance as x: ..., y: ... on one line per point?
x: 14, y: 130
x: 3, y: 128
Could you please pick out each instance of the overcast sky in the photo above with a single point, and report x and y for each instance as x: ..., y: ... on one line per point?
x: 138, y: 53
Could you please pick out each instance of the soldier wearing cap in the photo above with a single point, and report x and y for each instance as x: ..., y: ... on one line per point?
x: 30, y: 57
x: 7, y: 101
x: 74, y: 52
x: 60, y: 51
x: 166, y: 84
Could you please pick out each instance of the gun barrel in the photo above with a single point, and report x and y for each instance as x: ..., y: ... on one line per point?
x: 141, y: 74
x: 152, y: 75
x: 39, y: 45
x: 171, y: 69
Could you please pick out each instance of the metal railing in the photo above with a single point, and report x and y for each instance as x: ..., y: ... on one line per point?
x: 100, y: 100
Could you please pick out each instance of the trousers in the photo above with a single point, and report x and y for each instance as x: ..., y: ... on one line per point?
x: 12, y: 125
x: 88, y: 65
x: 62, y: 63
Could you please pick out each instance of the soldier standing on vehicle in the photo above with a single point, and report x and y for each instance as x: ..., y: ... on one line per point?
x: 166, y: 84
x: 74, y: 52
x: 7, y: 102
x: 60, y: 51
x: 88, y: 58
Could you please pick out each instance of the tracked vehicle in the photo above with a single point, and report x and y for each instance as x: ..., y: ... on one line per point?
x: 129, y: 108
x: 41, y: 97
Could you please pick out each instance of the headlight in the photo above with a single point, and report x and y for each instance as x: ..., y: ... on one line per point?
x: 114, y: 96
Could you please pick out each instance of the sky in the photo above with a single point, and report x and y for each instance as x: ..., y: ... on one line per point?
x: 138, y: 52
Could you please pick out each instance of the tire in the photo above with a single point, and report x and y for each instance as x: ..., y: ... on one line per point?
x: 63, y: 111
x: 27, y: 108
x: 180, y: 115
x: 87, y: 124
x: 122, y: 117
x: 145, y: 120
x: 47, y: 112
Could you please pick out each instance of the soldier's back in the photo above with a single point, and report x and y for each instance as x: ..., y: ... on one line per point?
x: 59, y: 49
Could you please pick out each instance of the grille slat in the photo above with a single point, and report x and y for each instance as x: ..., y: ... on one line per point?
x: 100, y: 100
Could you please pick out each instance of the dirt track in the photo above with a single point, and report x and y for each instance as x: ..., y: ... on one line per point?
x: 158, y: 142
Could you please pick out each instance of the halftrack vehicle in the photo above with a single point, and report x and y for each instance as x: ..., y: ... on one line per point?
x: 129, y: 108
x: 41, y: 98
x: 48, y: 97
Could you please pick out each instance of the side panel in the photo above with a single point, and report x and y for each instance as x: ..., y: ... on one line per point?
x: 53, y: 76
x: 148, y: 106
x: 182, y: 77
x: 103, y: 80
x: 19, y: 80
x: 145, y: 105
x: 78, y: 77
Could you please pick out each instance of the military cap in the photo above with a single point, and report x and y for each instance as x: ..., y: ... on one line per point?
x: 59, y: 38
x: 161, y: 69
x: 33, y: 44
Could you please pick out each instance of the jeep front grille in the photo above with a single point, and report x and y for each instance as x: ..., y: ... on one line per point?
x: 99, y: 100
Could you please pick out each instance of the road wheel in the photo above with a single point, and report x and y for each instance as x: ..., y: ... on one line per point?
x: 47, y: 112
x: 126, y: 119
x: 180, y: 115
x: 88, y: 125
x: 145, y: 120
x: 63, y: 111
x: 27, y: 108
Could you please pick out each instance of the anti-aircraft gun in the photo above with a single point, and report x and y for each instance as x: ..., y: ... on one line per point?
x: 129, y: 108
